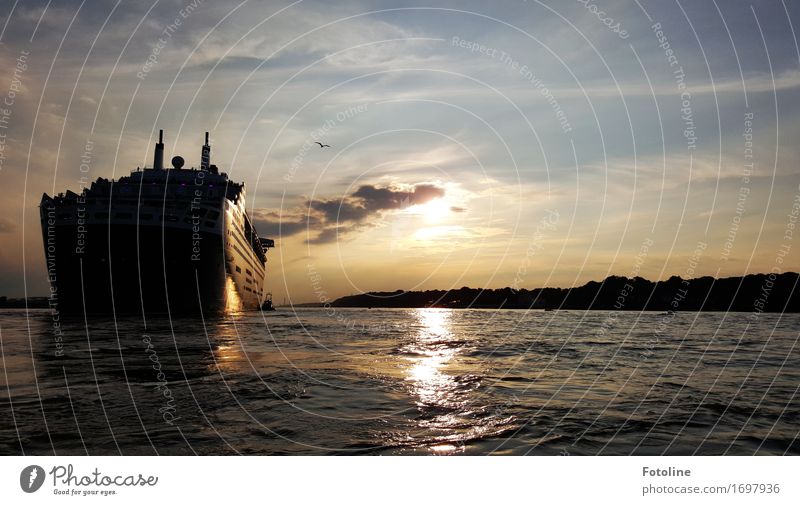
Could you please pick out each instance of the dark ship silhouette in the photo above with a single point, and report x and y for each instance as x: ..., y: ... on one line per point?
x: 159, y: 240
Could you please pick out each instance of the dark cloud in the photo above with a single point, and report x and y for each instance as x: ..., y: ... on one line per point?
x: 274, y: 224
x: 333, y: 218
x: 370, y: 200
x: 376, y: 198
x: 344, y: 210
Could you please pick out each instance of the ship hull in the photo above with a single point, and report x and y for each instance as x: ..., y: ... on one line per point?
x: 136, y: 269
x: 246, y: 272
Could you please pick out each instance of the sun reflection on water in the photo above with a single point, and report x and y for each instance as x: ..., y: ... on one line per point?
x: 431, y: 352
x: 445, y: 449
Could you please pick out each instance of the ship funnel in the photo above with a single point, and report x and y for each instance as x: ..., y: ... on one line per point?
x: 158, y: 157
x: 205, y: 155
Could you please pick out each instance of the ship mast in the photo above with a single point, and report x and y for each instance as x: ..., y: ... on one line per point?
x: 158, y: 157
x: 205, y: 155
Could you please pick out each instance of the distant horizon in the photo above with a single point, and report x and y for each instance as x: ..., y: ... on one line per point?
x: 519, y: 289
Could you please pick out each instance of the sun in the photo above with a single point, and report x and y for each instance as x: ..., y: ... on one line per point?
x: 434, y: 211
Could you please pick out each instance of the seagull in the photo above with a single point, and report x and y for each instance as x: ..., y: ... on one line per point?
x: 321, y: 144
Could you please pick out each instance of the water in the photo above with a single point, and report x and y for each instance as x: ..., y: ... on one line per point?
x: 427, y: 381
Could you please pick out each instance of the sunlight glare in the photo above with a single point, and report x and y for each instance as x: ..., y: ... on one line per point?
x: 436, y: 210
x: 430, y: 383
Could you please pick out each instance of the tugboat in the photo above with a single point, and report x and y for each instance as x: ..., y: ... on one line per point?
x: 159, y: 240
x: 267, y: 305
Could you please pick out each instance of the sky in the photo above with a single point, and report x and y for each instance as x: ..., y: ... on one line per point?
x: 482, y: 144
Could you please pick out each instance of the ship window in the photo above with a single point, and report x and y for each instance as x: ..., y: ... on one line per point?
x: 101, y: 215
x: 123, y: 215
x: 248, y: 271
x: 248, y: 280
x: 145, y: 217
x: 248, y: 289
x: 238, y: 269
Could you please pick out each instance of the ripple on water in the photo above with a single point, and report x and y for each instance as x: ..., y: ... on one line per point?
x: 402, y: 382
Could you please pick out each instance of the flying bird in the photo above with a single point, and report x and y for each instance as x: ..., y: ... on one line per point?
x: 321, y: 144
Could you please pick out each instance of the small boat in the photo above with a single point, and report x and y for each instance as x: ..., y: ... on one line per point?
x: 267, y: 305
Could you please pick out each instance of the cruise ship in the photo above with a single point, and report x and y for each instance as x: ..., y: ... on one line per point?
x: 161, y: 240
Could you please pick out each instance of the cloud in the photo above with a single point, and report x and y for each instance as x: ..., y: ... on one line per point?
x: 755, y: 83
x: 275, y: 224
x: 376, y: 198
x: 333, y: 218
x: 328, y: 235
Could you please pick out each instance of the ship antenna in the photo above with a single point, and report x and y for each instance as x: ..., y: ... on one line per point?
x: 158, y: 157
x: 205, y: 155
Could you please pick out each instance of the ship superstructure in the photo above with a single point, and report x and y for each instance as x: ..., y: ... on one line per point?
x: 158, y: 240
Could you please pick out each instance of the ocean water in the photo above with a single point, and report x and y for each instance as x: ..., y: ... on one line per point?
x: 424, y: 381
